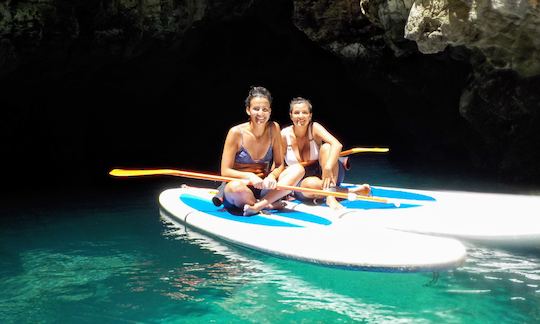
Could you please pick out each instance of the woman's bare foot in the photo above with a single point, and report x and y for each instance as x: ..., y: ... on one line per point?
x: 278, y: 205
x: 333, y: 203
x: 250, y: 210
x: 363, y: 190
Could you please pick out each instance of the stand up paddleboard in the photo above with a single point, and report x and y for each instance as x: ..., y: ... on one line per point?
x: 501, y: 220
x: 313, y: 238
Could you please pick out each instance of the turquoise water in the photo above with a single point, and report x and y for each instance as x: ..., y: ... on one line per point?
x: 113, y: 259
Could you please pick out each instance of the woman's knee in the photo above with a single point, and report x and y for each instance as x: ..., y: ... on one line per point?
x: 297, y: 171
x: 292, y: 174
x: 237, y: 193
x: 312, y: 182
x: 235, y: 187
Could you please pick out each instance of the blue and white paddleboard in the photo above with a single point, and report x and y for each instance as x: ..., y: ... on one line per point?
x: 316, y: 238
x: 502, y: 220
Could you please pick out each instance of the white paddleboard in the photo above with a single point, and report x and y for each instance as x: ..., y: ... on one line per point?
x: 502, y: 220
x: 320, y: 239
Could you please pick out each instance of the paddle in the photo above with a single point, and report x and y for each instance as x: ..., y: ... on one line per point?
x: 205, y: 176
x: 364, y: 150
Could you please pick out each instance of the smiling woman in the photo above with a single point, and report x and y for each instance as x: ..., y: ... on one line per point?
x: 252, y: 151
x: 312, y: 153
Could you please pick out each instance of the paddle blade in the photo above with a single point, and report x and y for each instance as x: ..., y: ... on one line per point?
x: 364, y: 150
x: 137, y: 173
x: 370, y: 149
x: 170, y: 172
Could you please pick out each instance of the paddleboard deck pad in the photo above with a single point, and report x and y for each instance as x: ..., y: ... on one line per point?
x: 319, y: 238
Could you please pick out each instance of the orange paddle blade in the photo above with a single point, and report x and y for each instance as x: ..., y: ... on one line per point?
x: 172, y: 172
x: 364, y: 150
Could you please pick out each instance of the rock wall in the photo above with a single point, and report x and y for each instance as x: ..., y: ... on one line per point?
x: 125, y: 28
x: 458, y: 80
x: 506, y: 32
x: 499, y: 40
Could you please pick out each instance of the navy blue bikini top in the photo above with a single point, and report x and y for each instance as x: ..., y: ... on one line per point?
x: 243, y: 157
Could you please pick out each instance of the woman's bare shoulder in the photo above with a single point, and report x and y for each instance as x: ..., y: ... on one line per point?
x: 320, y: 133
x: 275, y: 125
x: 235, y: 133
x: 286, y: 129
x: 237, y: 129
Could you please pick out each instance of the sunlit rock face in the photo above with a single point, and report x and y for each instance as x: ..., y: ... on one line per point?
x: 507, y: 32
x: 497, y: 99
x: 341, y: 27
x: 501, y: 100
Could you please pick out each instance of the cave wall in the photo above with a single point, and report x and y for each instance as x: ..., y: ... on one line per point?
x: 130, y: 94
x: 488, y: 51
x: 90, y: 85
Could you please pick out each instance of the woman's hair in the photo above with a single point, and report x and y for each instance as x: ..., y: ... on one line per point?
x: 300, y: 100
x: 258, y: 92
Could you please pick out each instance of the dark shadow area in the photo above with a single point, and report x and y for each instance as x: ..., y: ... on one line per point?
x: 68, y: 122
x: 73, y: 112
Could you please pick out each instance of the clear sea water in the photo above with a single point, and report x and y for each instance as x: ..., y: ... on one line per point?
x: 111, y: 258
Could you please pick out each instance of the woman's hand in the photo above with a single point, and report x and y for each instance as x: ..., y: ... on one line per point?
x: 327, y: 178
x: 256, y: 181
x: 269, y: 182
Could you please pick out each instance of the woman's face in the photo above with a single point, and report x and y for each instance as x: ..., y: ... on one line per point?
x: 259, y: 110
x: 300, y: 114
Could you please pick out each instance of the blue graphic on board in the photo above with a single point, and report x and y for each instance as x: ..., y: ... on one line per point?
x: 207, y: 207
x: 306, y: 217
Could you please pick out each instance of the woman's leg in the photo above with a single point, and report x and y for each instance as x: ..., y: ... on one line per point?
x: 289, y: 177
x: 238, y: 194
x: 316, y: 183
x: 311, y: 183
x: 364, y: 189
x: 324, y: 153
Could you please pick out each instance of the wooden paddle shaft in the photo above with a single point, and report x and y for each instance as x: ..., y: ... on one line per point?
x: 213, y: 177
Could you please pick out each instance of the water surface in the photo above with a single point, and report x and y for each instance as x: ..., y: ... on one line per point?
x: 111, y: 258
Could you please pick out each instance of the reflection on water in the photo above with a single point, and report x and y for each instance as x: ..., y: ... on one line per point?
x: 497, y: 270
x: 249, y: 280
x: 252, y: 279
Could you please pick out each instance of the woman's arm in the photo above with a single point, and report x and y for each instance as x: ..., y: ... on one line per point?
x: 277, y: 147
x: 335, y: 148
